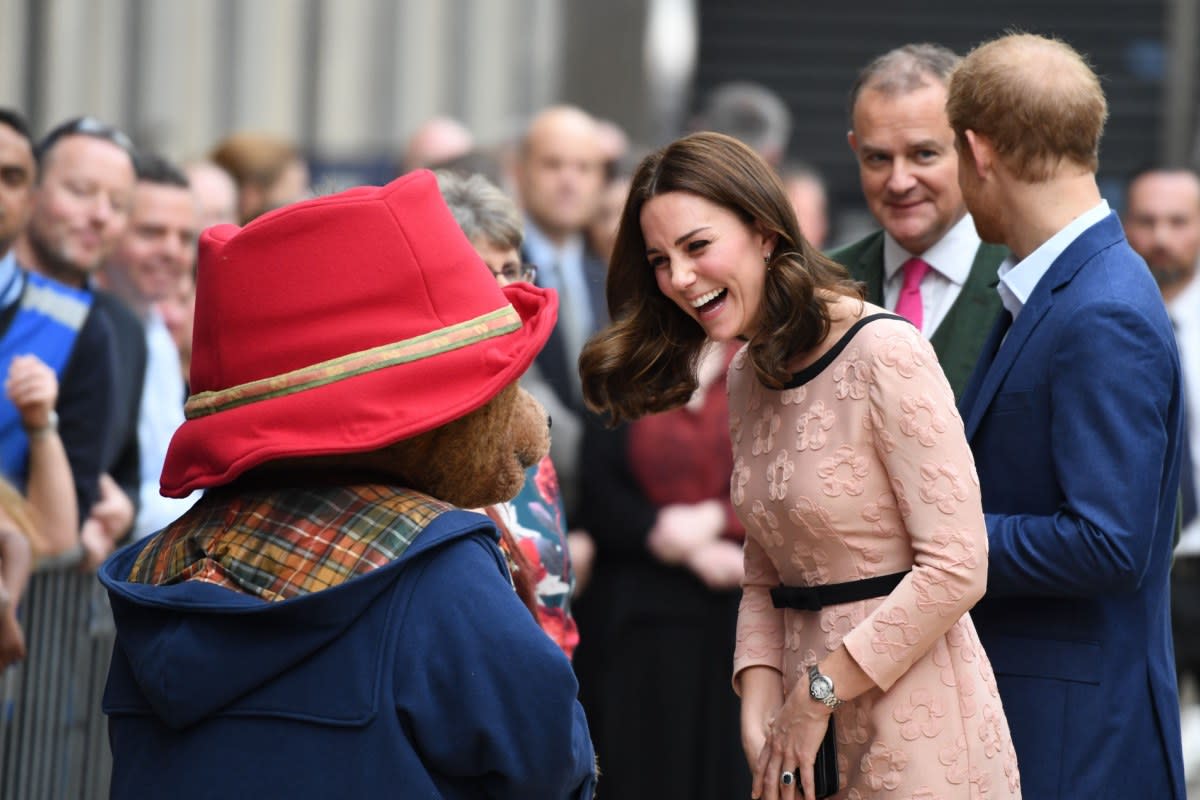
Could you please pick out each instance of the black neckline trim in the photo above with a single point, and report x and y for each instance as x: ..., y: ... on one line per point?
x: 817, y: 367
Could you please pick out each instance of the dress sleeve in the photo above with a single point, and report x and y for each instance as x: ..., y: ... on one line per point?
x: 759, y: 623
x: 919, y: 440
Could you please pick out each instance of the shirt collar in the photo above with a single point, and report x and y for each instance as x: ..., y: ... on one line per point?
x: 1183, y: 305
x: 1019, y: 279
x: 544, y: 254
x: 9, y: 285
x: 952, y: 256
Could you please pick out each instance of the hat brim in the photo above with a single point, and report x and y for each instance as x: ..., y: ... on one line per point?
x: 362, y: 412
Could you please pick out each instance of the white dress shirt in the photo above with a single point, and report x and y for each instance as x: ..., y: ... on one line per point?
x: 160, y: 414
x: 1019, y: 279
x: 1185, y: 316
x: 951, y: 259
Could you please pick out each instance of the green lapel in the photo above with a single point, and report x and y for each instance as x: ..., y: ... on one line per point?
x: 960, y: 336
x: 864, y: 261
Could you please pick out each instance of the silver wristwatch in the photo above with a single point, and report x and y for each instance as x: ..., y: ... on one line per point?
x: 50, y: 426
x: 820, y: 688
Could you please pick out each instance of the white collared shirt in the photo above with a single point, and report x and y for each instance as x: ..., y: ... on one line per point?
x: 562, y: 268
x: 951, y: 258
x: 1019, y: 279
x: 159, y: 415
x: 1185, y: 316
x: 10, y: 285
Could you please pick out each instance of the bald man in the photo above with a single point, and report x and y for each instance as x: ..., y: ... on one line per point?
x: 1075, y: 418
x: 559, y: 176
x: 437, y: 141
x: 215, y: 192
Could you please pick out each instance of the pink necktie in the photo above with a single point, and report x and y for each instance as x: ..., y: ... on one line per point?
x: 909, y: 304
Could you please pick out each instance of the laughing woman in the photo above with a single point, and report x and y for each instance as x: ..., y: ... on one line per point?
x: 865, y: 540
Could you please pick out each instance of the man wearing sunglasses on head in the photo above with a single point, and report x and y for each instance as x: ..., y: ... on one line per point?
x: 86, y: 172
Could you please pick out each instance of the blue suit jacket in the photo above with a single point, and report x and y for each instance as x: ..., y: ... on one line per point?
x: 1075, y: 422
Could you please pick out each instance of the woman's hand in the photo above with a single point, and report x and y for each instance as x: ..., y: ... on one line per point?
x: 680, y: 529
x: 97, y: 545
x: 12, y: 639
x: 33, y: 388
x: 791, y: 743
x: 754, y: 729
x: 582, y: 548
x: 114, y: 510
x: 761, y: 690
x: 16, y: 564
x: 719, y: 564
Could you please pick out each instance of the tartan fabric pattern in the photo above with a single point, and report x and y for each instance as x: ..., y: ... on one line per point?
x: 278, y: 544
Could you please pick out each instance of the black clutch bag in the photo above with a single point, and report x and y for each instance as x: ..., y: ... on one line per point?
x: 825, y: 768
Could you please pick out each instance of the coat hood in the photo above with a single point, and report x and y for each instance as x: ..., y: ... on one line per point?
x: 193, y: 648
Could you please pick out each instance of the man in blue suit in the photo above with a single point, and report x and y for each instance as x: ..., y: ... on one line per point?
x: 1074, y: 414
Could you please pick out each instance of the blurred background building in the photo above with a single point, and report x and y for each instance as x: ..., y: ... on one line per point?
x: 349, y: 80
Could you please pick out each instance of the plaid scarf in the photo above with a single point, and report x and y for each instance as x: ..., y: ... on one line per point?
x: 281, y: 543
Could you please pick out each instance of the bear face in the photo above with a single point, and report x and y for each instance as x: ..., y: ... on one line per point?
x: 478, y: 459
x: 474, y: 461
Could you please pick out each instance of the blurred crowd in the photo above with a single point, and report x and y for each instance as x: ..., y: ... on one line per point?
x: 641, y: 584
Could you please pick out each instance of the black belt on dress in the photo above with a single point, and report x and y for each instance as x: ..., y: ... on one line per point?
x: 814, y: 598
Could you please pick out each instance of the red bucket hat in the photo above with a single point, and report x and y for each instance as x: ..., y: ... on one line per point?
x: 340, y: 325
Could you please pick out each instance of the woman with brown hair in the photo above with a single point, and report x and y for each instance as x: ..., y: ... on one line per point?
x: 865, y: 540
x: 269, y: 171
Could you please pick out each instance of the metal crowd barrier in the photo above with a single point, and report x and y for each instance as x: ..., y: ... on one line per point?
x: 53, y: 735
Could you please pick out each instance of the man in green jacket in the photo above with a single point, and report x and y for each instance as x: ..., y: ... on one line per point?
x: 927, y: 263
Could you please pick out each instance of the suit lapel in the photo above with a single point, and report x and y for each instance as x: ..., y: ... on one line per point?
x: 870, y: 268
x: 1101, y: 235
x: 1006, y: 351
x: 960, y: 336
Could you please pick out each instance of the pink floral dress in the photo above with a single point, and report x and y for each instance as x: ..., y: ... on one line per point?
x: 860, y: 468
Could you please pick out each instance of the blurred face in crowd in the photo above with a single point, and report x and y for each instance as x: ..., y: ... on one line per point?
x: 16, y: 185
x: 560, y: 172
x: 707, y: 261
x: 215, y: 192
x: 158, y: 248
x: 811, y: 206
x: 602, y: 230
x: 502, y: 260
x: 178, y: 312
x: 1162, y: 223
x: 907, y: 163
x: 80, y: 207
x: 293, y: 184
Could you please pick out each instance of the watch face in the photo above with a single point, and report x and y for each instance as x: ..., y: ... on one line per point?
x: 820, y: 687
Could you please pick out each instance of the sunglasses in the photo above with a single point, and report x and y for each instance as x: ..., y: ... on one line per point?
x: 86, y: 126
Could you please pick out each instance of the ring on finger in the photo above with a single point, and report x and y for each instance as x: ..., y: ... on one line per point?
x: 787, y: 778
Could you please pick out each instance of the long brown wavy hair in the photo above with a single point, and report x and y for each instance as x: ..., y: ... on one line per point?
x: 645, y: 360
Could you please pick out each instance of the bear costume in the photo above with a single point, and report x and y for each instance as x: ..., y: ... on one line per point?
x: 328, y: 620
